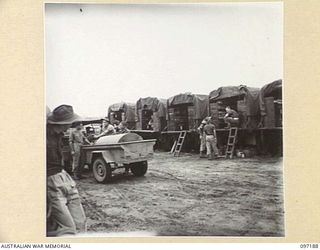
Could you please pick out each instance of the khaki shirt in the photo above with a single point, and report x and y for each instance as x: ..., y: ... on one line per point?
x: 108, y: 130
x: 77, y: 136
x: 209, y: 129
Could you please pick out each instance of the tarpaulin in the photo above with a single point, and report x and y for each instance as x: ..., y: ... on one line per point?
x: 271, y: 89
x: 120, y: 106
x: 153, y: 103
x: 127, y: 108
x: 200, y: 103
x: 249, y: 95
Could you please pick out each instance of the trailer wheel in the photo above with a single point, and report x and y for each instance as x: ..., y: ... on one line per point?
x: 139, y: 168
x: 101, y: 170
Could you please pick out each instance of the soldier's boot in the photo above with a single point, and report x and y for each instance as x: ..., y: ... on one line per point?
x: 210, y: 157
x: 202, y: 154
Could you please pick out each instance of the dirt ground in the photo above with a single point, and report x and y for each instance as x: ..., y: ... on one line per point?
x: 188, y: 196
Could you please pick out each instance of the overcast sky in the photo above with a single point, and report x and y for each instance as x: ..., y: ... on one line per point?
x: 111, y: 53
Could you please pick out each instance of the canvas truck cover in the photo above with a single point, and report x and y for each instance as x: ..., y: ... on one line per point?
x: 200, y: 102
x: 250, y: 95
x: 128, y: 109
x: 153, y: 103
x: 271, y: 89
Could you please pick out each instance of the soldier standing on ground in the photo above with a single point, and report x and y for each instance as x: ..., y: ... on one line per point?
x: 202, y: 137
x: 211, y: 140
x: 76, y: 139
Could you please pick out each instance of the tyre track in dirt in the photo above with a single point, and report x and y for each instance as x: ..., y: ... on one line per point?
x: 188, y: 196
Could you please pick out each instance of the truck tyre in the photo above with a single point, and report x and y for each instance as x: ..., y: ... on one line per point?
x: 139, y: 168
x: 101, y: 170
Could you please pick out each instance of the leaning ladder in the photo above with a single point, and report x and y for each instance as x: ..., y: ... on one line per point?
x: 233, y: 132
x: 177, y: 146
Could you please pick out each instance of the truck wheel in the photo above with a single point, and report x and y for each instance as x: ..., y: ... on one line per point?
x: 139, y: 168
x: 101, y: 170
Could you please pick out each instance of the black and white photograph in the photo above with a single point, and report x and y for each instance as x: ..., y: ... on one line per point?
x: 164, y: 119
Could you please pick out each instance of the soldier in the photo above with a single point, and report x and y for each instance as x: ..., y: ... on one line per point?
x: 66, y: 212
x: 76, y: 139
x: 211, y: 140
x: 107, y: 129
x: 123, y: 128
x: 202, y: 137
x: 150, y: 124
x: 231, y: 117
x: 115, y: 125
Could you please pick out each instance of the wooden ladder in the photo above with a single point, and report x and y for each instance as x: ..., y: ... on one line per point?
x: 177, y: 146
x: 233, y: 132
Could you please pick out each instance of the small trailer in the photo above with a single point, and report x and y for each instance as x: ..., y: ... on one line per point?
x: 108, y: 153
